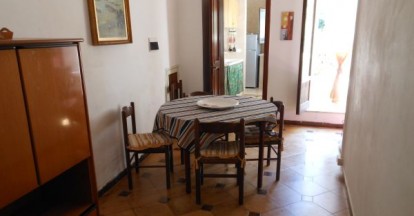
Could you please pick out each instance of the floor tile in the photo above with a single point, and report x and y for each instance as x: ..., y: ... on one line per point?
x: 230, y: 208
x: 156, y: 209
x: 128, y: 212
x: 199, y: 213
x: 332, y: 202
x: 310, y: 184
x: 278, y: 212
x: 306, y: 209
x: 307, y: 188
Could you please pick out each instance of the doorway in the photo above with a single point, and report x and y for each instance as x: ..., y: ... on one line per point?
x: 327, y: 53
x: 236, y: 36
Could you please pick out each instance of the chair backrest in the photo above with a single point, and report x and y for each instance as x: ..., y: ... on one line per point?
x: 219, y: 128
x: 281, y: 111
x: 199, y: 93
x: 128, y: 112
x: 176, y: 90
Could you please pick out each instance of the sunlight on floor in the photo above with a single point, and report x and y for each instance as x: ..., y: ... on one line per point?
x: 254, y: 92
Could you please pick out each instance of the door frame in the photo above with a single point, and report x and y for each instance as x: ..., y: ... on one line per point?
x: 207, y: 49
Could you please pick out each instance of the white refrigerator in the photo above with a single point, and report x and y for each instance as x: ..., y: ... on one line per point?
x: 252, y: 75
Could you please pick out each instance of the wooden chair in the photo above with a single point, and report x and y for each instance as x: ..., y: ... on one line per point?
x: 219, y: 152
x: 200, y: 93
x: 273, y: 137
x: 176, y: 90
x: 145, y: 143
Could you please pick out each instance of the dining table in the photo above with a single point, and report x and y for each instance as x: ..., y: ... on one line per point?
x: 176, y: 118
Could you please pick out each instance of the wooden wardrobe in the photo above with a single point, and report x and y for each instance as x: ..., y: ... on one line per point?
x: 46, y: 162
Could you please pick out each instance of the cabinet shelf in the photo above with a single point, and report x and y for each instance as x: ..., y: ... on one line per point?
x: 67, y: 194
x: 69, y: 209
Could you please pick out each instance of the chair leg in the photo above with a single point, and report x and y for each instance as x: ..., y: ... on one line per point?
x: 171, y: 150
x: 198, y: 185
x: 128, y: 167
x: 240, y: 179
x: 167, y: 166
x: 187, y: 168
x: 269, y: 153
x: 279, y: 161
x: 202, y: 174
x: 136, y: 162
x: 238, y: 176
x: 182, y: 156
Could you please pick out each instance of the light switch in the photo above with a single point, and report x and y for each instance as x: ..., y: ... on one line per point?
x: 153, y: 44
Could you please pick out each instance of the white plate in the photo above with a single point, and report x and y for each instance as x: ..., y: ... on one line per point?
x: 217, y: 103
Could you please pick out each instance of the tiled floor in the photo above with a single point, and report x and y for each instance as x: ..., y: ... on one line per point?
x: 254, y: 92
x: 311, y: 184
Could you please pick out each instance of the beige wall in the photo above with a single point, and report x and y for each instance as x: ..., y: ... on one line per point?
x: 190, y: 44
x: 253, y: 7
x: 378, y: 141
x: 115, y: 74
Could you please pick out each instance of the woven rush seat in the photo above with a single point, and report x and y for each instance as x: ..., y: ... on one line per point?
x: 221, y: 149
x: 143, y: 141
x: 252, y: 134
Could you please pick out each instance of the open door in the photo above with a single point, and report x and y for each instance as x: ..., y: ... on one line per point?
x: 213, y: 46
x: 304, y: 78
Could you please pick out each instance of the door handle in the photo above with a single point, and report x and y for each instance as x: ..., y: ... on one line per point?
x: 216, y: 65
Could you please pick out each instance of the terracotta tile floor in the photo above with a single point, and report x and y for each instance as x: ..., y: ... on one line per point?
x: 311, y: 184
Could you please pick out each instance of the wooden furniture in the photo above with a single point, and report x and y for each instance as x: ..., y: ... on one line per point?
x: 177, y: 119
x: 45, y: 153
x: 272, y: 138
x: 219, y: 152
x: 144, y: 143
x: 199, y: 93
x: 176, y: 90
x: 175, y: 86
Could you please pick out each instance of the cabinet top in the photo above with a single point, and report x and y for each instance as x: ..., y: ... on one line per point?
x: 38, y: 41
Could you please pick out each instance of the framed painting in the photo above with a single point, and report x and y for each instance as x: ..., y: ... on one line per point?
x: 110, y: 22
x: 286, y: 28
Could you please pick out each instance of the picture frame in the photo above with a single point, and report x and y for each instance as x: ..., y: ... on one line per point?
x: 110, y: 22
x: 286, y: 26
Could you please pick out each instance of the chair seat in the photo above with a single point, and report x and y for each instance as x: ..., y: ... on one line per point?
x: 138, y: 142
x: 252, y: 134
x: 221, y: 149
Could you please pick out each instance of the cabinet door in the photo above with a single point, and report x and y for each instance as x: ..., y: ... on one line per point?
x: 17, y: 168
x: 55, y: 98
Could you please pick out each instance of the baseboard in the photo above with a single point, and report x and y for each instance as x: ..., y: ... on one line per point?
x: 313, y: 124
x: 117, y: 178
x: 348, y: 196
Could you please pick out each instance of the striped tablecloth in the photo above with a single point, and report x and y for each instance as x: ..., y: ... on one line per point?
x: 177, y: 117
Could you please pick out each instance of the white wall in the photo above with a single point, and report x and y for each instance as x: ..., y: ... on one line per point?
x: 190, y: 44
x: 378, y: 141
x: 115, y: 74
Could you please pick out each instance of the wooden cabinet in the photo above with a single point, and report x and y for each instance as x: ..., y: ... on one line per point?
x: 17, y: 166
x: 45, y: 151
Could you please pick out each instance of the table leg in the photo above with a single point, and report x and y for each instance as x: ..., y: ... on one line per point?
x: 187, y: 170
x: 260, y: 164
